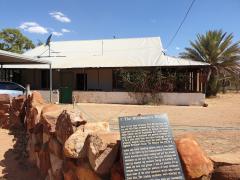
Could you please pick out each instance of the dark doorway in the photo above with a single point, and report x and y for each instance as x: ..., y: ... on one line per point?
x: 81, y: 81
x: 45, y: 79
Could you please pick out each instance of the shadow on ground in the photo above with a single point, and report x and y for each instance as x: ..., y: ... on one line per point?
x: 15, y: 164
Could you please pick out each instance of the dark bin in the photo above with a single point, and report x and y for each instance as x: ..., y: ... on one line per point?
x: 65, y: 95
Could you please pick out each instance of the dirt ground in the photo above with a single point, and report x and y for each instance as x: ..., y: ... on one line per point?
x: 13, y: 157
x: 216, y: 128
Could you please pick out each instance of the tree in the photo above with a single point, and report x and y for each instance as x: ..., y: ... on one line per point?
x: 146, y: 83
x: 14, y: 41
x: 217, y: 49
x: 142, y: 80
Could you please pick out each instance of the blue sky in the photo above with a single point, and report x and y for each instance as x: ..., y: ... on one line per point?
x: 100, y: 19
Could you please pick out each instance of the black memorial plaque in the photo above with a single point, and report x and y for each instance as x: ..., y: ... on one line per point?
x: 149, y: 151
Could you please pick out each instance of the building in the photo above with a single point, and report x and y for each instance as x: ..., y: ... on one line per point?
x: 89, y: 70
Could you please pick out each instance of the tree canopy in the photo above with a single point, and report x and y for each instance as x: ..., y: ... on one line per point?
x: 14, y: 41
x: 216, y: 48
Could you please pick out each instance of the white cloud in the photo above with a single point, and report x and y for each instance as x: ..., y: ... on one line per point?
x: 55, y: 33
x: 59, y: 16
x: 33, y: 27
x: 178, y: 48
x: 60, y: 33
x: 65, y: 30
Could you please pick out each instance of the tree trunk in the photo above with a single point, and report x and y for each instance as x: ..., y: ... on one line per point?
x: 212, y: 85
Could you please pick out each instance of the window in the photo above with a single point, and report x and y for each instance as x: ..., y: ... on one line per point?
x: 117, y: 80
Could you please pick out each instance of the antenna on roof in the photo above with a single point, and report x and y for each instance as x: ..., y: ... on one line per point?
x: 48, y: 40
x: 48, y: 44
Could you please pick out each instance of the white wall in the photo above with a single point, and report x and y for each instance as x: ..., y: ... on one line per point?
x: 68, y: 78
x: 33, y: 77
x: 92, y: 79
x: 105, y: 78
x: 56, y: 79
x: 136, y: 98
x: 129, y: 98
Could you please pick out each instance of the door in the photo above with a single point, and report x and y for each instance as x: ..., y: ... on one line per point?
x: 66, y: 87
x: 81, y: 81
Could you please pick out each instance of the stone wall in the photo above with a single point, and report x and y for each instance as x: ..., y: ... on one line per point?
x: 63, y: 145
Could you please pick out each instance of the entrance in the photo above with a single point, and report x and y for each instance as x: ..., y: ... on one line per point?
x: 66, y: 87
x: 81, y: 81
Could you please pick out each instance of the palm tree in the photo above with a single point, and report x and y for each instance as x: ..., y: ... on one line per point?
x: 217, y: 49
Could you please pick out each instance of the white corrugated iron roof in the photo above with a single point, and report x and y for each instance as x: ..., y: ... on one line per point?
x: 132, y: 52
x: 7, y: 57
